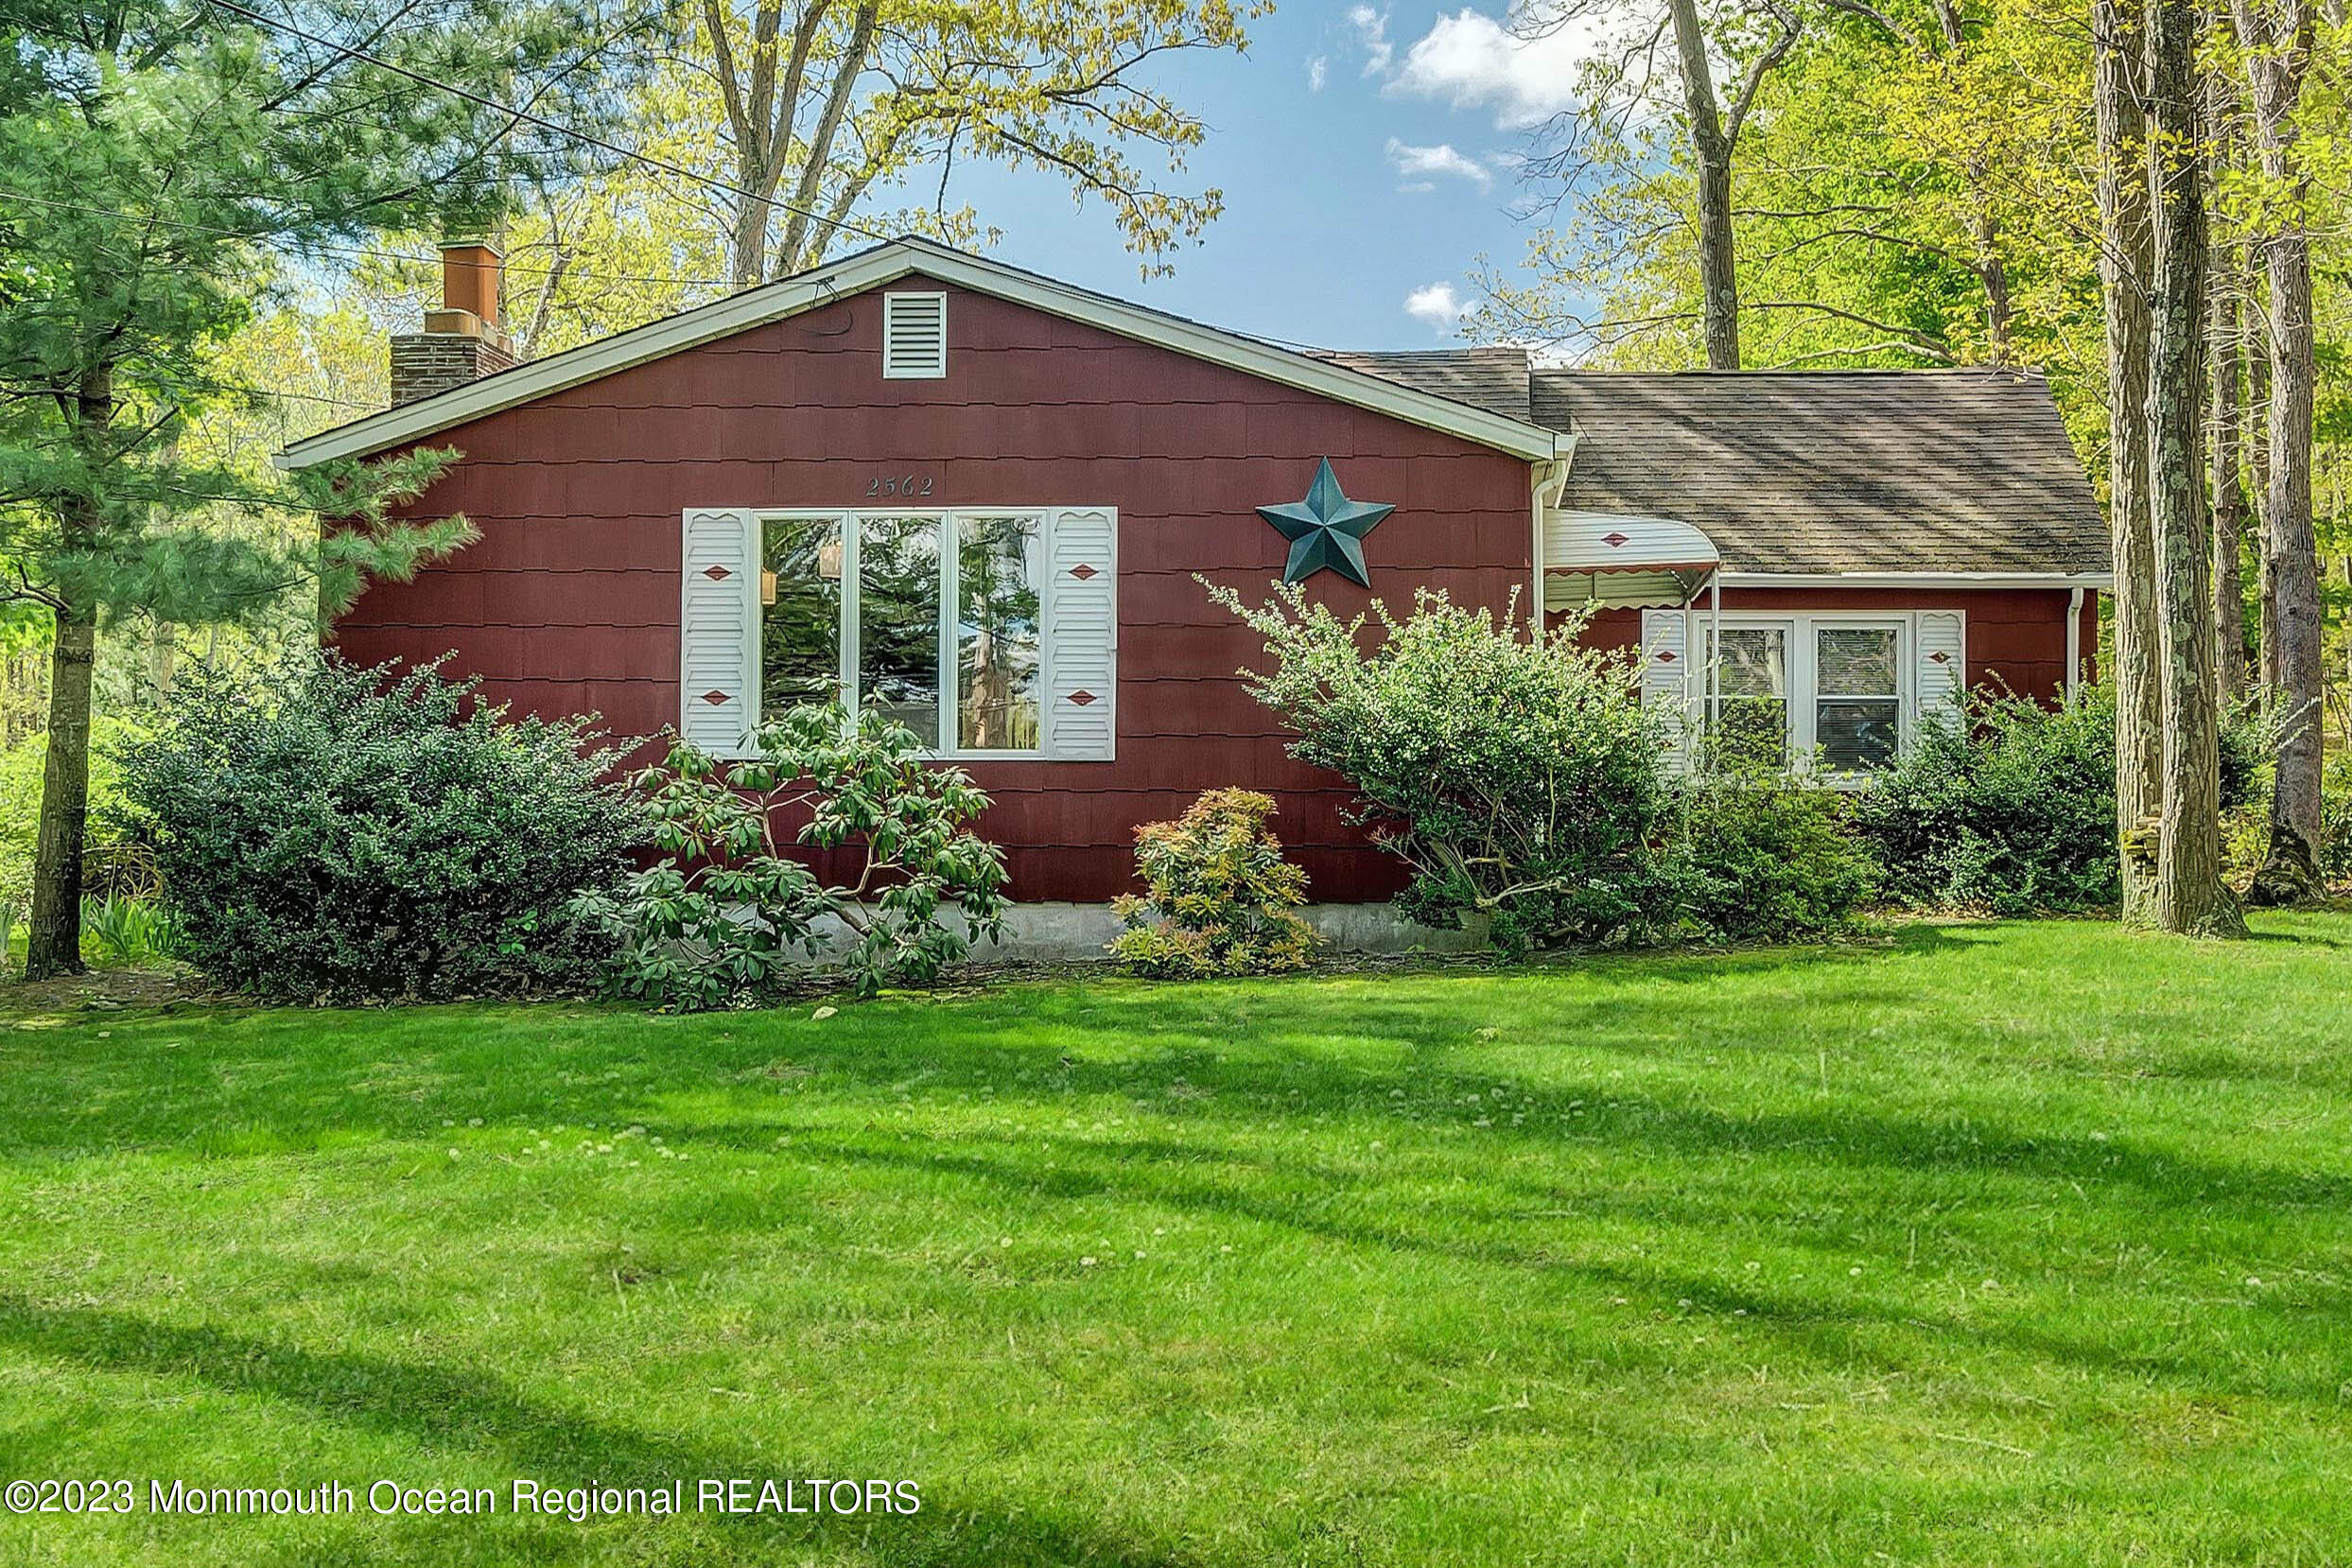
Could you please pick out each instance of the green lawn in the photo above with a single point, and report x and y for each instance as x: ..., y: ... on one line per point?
x: 2022, y: 1244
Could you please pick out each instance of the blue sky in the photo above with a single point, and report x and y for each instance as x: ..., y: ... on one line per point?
x: 1365, y: 156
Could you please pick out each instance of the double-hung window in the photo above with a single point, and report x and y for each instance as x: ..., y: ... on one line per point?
x: 1835, y: 694
x: 934, y: 618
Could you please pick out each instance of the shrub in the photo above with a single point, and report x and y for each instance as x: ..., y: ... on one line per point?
x: 2012, y: 809
x: 1220, y: 901
x: 324, y: 830
x: 1755, y: 855
x: 716, y: 926
x: 1516, y: 773
x: 2335, y: 852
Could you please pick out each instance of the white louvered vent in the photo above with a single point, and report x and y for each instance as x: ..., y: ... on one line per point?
x: 1666, y: 677
x: 915, y: 336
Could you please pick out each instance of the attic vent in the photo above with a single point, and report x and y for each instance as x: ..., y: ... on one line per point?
x: 915, y: 336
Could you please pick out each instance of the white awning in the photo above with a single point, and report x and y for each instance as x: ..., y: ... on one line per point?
x: 1617, y: 559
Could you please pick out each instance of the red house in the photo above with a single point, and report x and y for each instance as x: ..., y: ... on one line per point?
x: 979, y: 498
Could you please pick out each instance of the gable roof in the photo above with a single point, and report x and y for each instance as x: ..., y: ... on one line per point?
x: 1501, y: 428
x: 1837, y: 471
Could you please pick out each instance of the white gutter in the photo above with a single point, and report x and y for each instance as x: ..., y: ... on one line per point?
x: 1547, y: 479
x: 1919, y: 579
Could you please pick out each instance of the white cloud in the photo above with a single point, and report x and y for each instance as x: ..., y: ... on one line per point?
x: 1439, y: 303
x: 1373, y: 27
x: 1423, y: 164
x: 1318, y: 69
x: 1470, y: 61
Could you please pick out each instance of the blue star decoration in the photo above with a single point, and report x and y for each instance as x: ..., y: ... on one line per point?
x: 1326, y: 529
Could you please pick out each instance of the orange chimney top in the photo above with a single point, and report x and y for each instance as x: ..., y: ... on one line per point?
x: 469, y: 279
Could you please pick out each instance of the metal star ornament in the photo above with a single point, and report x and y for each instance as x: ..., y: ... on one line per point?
x: 1326, y: 529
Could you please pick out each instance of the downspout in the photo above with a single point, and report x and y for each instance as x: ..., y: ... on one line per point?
x: 1548, y: 479
x: 2074, y: 643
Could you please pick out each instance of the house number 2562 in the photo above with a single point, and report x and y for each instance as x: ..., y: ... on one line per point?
x: 899, y: 484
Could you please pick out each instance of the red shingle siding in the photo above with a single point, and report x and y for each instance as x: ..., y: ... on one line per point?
x: 570, y: 602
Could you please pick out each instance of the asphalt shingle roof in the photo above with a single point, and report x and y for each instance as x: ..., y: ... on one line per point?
x: 1824, y: 471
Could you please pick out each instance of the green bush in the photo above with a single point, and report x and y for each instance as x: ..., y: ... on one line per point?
x: 1756, y: 856
x: 2336, y: 822
x: 1221, y: 898
x: 1517, y: 775
x: 324, y: 830
x: 717, y: 925
x: 2012, y: 809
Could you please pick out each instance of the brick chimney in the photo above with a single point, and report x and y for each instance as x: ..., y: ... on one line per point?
x: 463, y: 340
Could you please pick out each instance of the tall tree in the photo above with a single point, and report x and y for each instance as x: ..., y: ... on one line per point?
x: 2127, y: 267
x: 2276, y: 38
x: 155, y: 155
x: 2188, y: 894
x: 826, y: 100
x: 2226, y: 311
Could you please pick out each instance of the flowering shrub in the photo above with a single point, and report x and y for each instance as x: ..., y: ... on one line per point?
x: 718, y: 925
x: 1221, y: 898
x: 1514, y: 771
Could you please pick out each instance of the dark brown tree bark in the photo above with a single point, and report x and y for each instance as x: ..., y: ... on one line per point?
x: 53, y: 946
x: 2229, y: 497
x: 2126, y: 266
x: 2189, y: 896
x: 2277, y: 38
x: 2225, y: 329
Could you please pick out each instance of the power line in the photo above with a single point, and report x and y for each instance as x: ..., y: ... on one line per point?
x: 526, y: 116
x: 351, y: 250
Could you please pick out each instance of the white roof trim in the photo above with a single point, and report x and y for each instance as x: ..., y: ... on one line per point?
x: 1733, y: 579
x: 884, y: 264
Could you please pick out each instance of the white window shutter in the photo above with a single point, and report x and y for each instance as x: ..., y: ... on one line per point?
x: 1082, y: 635
x: 1666, y: 677
x: 1943, y: 662
x: 718, y: 629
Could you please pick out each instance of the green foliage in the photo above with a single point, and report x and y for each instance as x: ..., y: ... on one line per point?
x: 1515, y: 773
x: 1758, y: 856
x: 128, y: 931
x: 1221, y: 898
x: 21, y: 768
x: 2013, y: 810
x: 2336, y: 814
x: 718, y: 925
x: 327, y: 830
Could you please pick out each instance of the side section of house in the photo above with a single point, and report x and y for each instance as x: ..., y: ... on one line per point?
x: 570, y: 601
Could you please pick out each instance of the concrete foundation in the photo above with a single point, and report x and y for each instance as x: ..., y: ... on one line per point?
x: 1064, y: 933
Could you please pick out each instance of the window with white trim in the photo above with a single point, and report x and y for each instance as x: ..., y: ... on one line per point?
x: 934, y: 618
x: 1833, y: 693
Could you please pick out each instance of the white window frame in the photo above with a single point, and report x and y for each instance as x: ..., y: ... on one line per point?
x: 930, y: 370
x: 1804, y: 697
x: 950, y: 670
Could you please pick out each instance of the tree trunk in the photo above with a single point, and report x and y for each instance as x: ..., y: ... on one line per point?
x: 2290, y: 586
x: 2125, y: 268
x: 54, y: 945
x: 1711, y: 150
x: 2226, y: 313
x: 2189, y: 896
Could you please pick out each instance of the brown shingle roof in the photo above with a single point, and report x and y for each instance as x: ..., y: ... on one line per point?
x: 1837, y: 471
x: 1495, y: 380
x: 1823, y: 471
